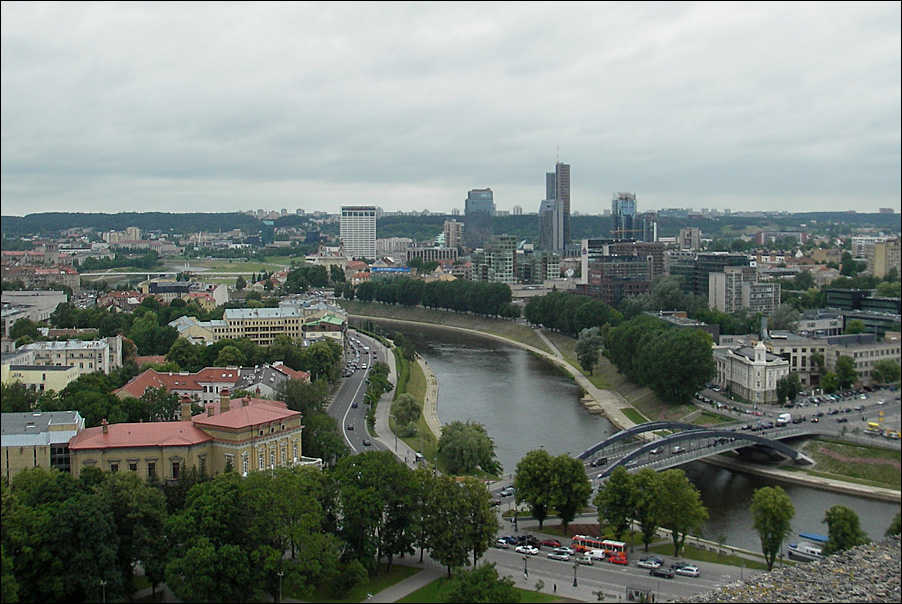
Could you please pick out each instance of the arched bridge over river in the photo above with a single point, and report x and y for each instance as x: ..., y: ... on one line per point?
x: 683, y: 443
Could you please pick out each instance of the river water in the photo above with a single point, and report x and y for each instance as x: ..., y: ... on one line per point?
x: 526, y: 403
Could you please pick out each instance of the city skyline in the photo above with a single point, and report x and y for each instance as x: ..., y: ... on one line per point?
x: 407, y: 106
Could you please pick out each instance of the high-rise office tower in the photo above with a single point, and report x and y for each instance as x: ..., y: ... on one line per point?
x: 551, y: 225
x: 623, y: 216
x: 357, y: 230
x: 478, y: 214
x: 557, y: 186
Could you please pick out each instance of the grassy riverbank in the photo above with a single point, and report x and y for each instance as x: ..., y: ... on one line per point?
x: 518, y: 332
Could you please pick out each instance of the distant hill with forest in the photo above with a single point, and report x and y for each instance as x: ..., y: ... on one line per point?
x: 426, y: 228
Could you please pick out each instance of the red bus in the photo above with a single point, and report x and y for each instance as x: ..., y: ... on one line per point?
x: 612, y: 549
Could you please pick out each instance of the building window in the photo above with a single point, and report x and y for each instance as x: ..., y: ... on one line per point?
x: 114, y: 466
x: 272, y: 457
x: 151, y: 469
x: 175, y: 470
x: 245, y: 463
x: 133, y: 466
x: 261, y: 458
x: 294, y: 450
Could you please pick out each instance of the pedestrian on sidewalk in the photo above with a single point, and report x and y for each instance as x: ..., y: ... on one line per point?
x: 555, y: 588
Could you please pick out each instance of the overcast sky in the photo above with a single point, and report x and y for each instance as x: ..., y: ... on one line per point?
x: 215, y: 107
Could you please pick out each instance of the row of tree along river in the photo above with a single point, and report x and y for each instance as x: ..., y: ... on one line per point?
x: 527, y: 403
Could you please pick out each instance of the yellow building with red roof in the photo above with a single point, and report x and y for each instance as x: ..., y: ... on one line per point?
x: 245, y: 435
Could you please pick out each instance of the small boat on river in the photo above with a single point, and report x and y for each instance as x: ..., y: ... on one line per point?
x: 809, y: 550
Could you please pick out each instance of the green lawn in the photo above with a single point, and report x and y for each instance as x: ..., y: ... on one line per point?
x: 857, y: 463
x: 376, y: 584
x: 431, y: 593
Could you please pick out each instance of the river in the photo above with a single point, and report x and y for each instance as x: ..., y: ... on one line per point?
x: 526, y: 403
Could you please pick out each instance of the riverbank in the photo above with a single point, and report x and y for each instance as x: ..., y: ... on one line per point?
x: 614, y: 406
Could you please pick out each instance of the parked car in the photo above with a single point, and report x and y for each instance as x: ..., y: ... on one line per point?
x: 496, y: 502
x: 501, y: 544
x: 507, y: 491
x: 527, y: 549
x: 688, y: 571
x: 508, y: 539
x: 556, y: 555
x: 661, y: 571
x: 551, y: 543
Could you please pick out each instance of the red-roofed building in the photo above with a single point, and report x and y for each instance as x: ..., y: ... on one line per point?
x: 248, y: 434
x: 203, y: 386
x: 206, y: 385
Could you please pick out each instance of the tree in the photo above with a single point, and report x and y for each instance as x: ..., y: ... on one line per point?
x: 681, y: 510
x: 614, y: 501
x: 784, y: 317
x: 449, y: 546
x: 480, y: 584
x: 230, y: 356
x: 854, y: 326
x: 886, y: 371
x: 773, y: 512
x: 843, y: 529
x: 895, y: 526
x: 531, y: 480
x: 466, y: 446
x: 570, y: 488
x: 406, y: 409
x: 240, y: 283
x: 845, y: 371
x: 478, y: 519
x: 646, y: 493
x: 788, y: 387
x: 587, y: 347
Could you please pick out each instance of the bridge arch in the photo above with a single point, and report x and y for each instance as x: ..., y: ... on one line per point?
x: 638, y: 429
x: 701, y: 433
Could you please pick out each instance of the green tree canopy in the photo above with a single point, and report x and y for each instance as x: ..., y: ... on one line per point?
x: 614, y: 501
x: 588, y: 345
x: 481, y: 584
x: 773, y: 512
x: 531, y: 480
x: 681, y: 510
x: 843, y: 529
x: 464, y: 447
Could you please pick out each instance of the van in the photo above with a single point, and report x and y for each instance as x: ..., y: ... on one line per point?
x: 783, y: 419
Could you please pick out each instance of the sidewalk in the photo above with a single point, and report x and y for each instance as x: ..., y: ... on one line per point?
x: 383, y: 431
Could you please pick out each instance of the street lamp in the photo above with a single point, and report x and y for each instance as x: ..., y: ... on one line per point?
x: 525, y: 564
x: 575, y: 566
x: 281, y: 574
x: 103, y: 589
x: 394, y: 417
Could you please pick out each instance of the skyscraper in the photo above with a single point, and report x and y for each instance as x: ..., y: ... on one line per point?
x: 478, y: 213
x: 357, y: 230
x: 623, y: 216
x: 557, y: 186
x: 551, y: 225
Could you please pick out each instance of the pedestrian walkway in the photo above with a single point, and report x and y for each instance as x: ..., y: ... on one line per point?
x: 384, y: 434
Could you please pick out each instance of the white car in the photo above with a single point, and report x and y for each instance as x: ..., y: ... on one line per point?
x: 687, y: 571
x: 565, y: 550
x: 527, y: 549
x: 651, y: 564
x: 556, y: 555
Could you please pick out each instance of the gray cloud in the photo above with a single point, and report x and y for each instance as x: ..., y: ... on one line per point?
x: 211, y: 107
